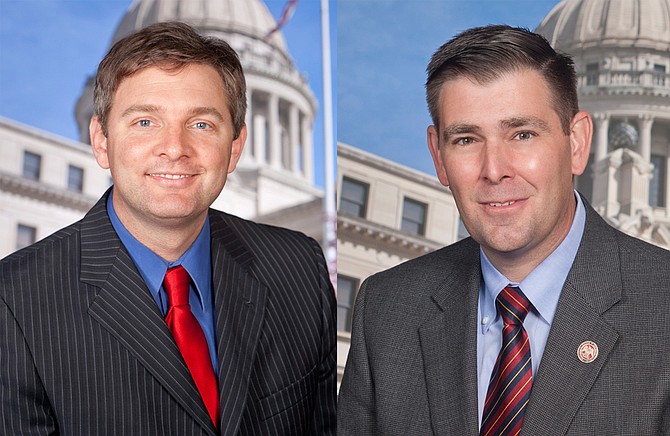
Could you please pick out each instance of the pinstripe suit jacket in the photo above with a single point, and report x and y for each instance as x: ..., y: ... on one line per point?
x: 412, y: 368
x: 85, y: 351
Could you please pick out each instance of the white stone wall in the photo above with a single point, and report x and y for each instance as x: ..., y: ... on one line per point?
x: 45, y: 204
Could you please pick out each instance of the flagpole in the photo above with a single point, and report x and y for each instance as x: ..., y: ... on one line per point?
x: 330, y: 213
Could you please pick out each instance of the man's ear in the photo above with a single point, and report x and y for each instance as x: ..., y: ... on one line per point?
x: 581, y: 132
x: 434, y: 147
x: 236, y: 148
x: 99, y: 142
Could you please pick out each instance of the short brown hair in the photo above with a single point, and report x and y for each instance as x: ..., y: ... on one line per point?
x: 170, y: 45
x: 487, y: 53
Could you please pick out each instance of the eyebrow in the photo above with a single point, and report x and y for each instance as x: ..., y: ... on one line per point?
x: 198, y: 111
x: 141, y: 108
x: 508, y: 123
x: 153, y: 109
x: 458, y: 129
x: 516, y: 122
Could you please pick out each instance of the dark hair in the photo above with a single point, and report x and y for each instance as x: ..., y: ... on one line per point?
x: 170, y: 45
x: 486, y: 53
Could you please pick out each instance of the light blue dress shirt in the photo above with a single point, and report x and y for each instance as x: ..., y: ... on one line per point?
x: 542, y: 287
x: 197, y: 260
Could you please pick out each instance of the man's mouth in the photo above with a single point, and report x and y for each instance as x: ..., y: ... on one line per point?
x: 170, y: 176
x: 507, y: 203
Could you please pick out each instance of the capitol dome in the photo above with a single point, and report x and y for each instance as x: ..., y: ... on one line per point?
x: 577, y: 24
x: 250, y: 18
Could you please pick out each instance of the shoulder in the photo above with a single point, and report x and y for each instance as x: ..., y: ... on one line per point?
x: 274, y: 254
x: 641, y: 260
x: 261, y: 239
x: 611, y: 259
x: 603, y: 239
x: 44, y: 249
x: 49, y: 256
x: 460, y: 254
x: 415, y: 277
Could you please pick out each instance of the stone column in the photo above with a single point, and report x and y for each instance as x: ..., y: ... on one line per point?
x: 260, y: 137
x: 294, y: 138
x: 248, y: 154
x: 307, y: 146
x: 603, y: 196
x: 646, y: 122
x: 275, y: 132
x: 602, y: 122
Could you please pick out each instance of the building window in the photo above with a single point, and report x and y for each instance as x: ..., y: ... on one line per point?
x: 414, y: 217
x: 657, y: 182
x: 31, y: 165
x: 592, y: 74
x: 346, y: 292
x: 25, y: 235
x: 75, y: 178
x: 354, y: 197
x: 659, y: 75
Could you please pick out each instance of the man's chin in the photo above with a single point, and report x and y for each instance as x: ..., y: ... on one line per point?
x: 176, y: 215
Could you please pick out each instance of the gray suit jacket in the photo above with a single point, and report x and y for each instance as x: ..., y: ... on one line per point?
x: 84, y: 349
x: 413, y: 360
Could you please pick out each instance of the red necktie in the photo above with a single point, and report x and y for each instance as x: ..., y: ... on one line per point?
x: 190, y: 339
x: 512, y: 376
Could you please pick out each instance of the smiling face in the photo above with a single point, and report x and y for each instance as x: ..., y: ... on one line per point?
x: 509, y: 165
x: 169, y: 145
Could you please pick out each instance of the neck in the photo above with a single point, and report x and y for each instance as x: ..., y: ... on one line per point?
x: 168, y: 238
x: 514, y: 268
x: 168, y: 243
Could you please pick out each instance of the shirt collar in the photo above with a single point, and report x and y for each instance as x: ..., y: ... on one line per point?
x: 196, y: 260
x: 544, y: 284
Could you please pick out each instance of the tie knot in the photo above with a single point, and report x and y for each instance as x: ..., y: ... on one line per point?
x: 512, y: 305
x: 176, y: 284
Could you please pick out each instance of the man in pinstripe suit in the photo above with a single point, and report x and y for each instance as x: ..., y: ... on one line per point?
x: 84, y: 346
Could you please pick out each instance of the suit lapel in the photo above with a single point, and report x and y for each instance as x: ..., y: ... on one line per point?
x: 124, y: 307
x: 240, y: 305
x: 449, y: 349
x: 592, y: 287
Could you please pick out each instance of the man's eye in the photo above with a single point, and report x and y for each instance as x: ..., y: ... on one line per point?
x: 524, y: 136
x: 144, y: 123
x: 201, y: 125
x: 465, y: 141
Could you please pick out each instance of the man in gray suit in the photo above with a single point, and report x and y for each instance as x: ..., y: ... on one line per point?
x: 546, y: 321
x: 155, y: 315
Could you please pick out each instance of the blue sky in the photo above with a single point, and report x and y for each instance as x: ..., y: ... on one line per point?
x: 48, y: 48
x: 383, y: 49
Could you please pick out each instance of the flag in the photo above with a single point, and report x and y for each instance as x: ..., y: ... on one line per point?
x: 287, y: 13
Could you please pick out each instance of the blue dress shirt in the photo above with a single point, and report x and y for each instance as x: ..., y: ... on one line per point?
x: 197, y: 260
x: 542, y: 287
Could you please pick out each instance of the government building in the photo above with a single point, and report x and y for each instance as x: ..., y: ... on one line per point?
x: 48, y: 182
x: 388, y: 213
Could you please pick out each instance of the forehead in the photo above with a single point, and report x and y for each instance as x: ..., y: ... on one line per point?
x: 517, y: 93
x: 173, y: 73
x: 193, y: 83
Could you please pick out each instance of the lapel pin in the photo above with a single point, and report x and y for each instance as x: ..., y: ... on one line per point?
x: 587, y: 351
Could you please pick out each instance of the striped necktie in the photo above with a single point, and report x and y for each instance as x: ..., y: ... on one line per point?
x: 512, y: 378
